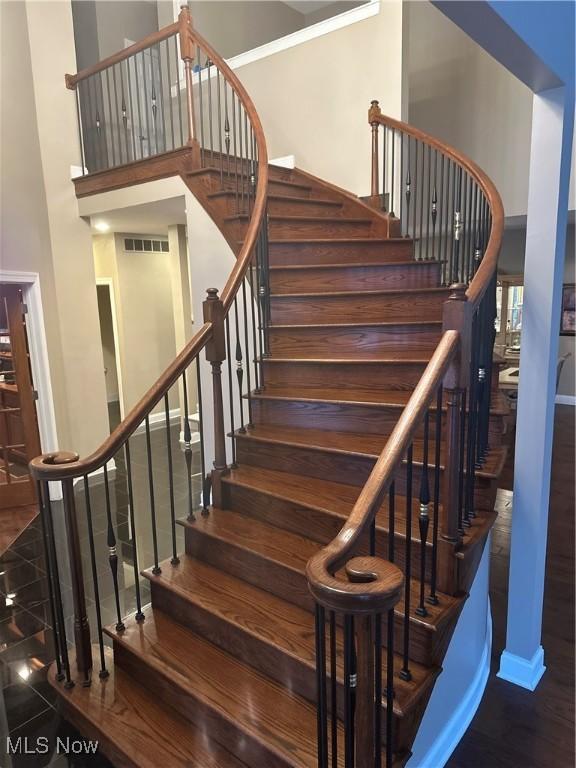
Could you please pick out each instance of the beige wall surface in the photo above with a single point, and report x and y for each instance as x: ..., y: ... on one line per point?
x: 41, y: 231
x: 460, y: 94
x: 313, y: 98
x: 108, y: 348
x: 144, y: 312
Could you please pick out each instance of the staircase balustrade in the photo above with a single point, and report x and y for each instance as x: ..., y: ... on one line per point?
x: 174, y: 87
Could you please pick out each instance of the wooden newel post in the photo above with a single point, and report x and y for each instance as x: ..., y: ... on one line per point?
x: 187, y: 56
x: 216, y: 354
x: 81, y: 625
x: 373, y: 114
x: 456, y: 316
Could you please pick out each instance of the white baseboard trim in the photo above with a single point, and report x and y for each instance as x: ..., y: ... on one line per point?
x: 158, y: 420
x: 526, y: 673
x: 453, y: 731
x: 565, y: 400
x: 97, y: 477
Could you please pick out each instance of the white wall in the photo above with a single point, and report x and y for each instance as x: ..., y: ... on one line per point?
x: 459, y: 93
x: 313, y: 98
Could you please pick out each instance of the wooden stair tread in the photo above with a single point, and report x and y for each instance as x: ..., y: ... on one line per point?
x: 295, y: 218
x: 398, y: 356
x: 146, y: 734
x: 269, y: 712
x: 351, y: 443
x: 338, y: 499
x: 344, y: 294
x: 272, y: 620
x: 293, y: 552
x: 352, y: 265
x: 367, y: 324
x: 377, y: 398
x: 328, y: 202
x: 337, y: 240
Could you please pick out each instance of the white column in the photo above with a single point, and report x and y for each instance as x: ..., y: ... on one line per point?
x: 553, y: 117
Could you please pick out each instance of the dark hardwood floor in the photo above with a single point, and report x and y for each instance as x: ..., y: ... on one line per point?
x: 515, y: 728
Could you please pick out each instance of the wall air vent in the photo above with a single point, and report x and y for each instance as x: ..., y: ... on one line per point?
x: 141, y: 245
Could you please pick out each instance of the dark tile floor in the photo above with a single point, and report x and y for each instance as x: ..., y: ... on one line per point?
x: 512, y: 729
x: 28, y: 706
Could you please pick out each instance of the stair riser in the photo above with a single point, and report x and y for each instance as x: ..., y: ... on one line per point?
x: 291, y: 671
x: 265, y: 657
x: 232, y: 204
x: 319, y: 525
x: 353, y: 308
x: 382, y: 376
x: 287, y: 229
x: 286, y: 583
x: 338, y: 467
x: 226, y: 731
x: 353, y: 343
x: 344, y: 417
x: 418, y: 274
x: 249, y: 566
x: 339, y: 253
x: 275, y: 187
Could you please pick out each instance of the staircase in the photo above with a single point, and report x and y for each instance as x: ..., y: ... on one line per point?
x: 249, y: 654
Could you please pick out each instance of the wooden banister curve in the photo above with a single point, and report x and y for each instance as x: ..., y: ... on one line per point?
x: 383, y: 588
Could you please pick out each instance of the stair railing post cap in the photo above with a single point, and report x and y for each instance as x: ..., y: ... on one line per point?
x: 457, y: 292
x: 212, y: 293
x: 374, y: 112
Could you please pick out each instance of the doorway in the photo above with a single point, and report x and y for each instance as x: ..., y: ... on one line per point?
x: 110, y: 354
x: 19, y: 436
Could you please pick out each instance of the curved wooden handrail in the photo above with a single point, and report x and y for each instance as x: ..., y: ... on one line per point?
x: 156, y: 37
x: 333, y: 592
x: 64, y: 465
x: 259, y: 209
x: 489, y: 262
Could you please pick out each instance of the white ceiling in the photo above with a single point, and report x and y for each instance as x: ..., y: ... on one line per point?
x: 146, y: 219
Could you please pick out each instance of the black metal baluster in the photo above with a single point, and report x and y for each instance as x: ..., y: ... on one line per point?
x: 441, y: 234
x: 80, y: 137
x: 230, y: 390
x: 403, y: 230
x: 146, y: 107
x: 433, y: 599
x: 169, y: 105
x: 124, y: 106
x: 210, y: 128
x: 333, y: 693
x: 59, y: 605
x: 428, y: 201
x: 139, y: 615
x: 449, y: 220
x: 392, y: 522
x: 235, y: 152
x: 112, y: 553
x: 103, y: 671
x: 458, y: 225
x: 253, y: 294
x: 175, y: 559
x: 384, y: 169
x: 463, y: 519
x: 206, y: 479
x: 179, y: 95
x: 241, y: 151
x: 239, y: 368
x: 156, y: 569
x: 378, y: 690
x: 434, y: 205
x: 218, y: 98
x: 247, y: 348
x: 321, y: 707
x: 349, y: 690
x: 416, y: 182
x: 422, y: 190
x: 201, y: 106
x: 226, y: 129
x: 405, y: 673
x: 259, y: 297
x: 138, y: 97
x: 116, y: 120
x: 390, y: 688
x: 153, y: 106
x: 110, y: 122
x: 392, y: 166
x: 424, y: 516
x: 188, y: 447
x: 42, y: 491
x: 161, y: 100
x: 408, y: 189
